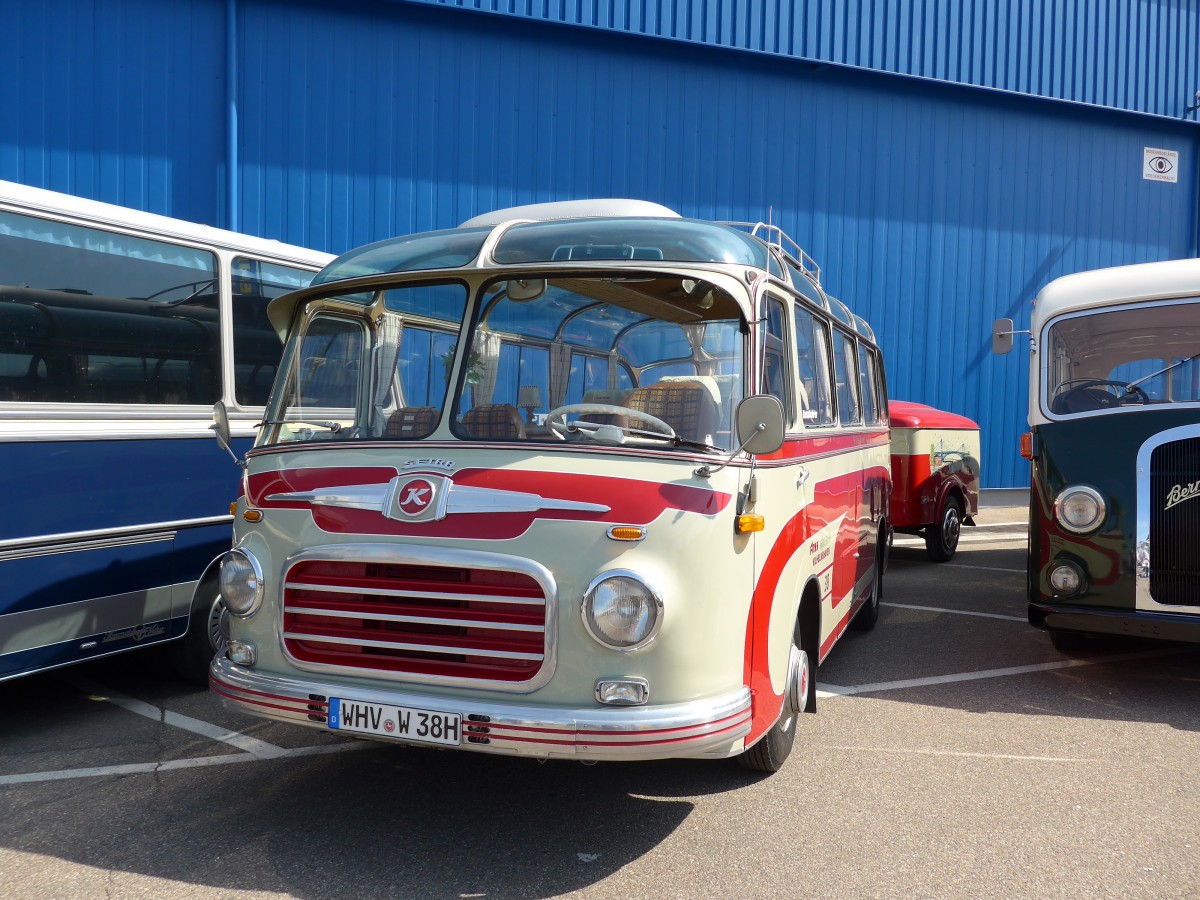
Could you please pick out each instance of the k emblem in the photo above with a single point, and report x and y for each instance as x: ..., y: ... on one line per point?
x: 418, y: 497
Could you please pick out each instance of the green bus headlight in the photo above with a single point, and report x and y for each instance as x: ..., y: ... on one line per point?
x: 1079, y: 509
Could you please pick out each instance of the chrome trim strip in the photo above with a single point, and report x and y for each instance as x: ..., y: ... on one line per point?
x: 1141, y: 559
x: 456, y: 499
x: 154, y: 531
x: 363, y: 496
x: 398, y: 592
x: 481, y: 500
x: 413, y: 554
x: 81, y: 546
x: 417, y: 620
x: 709, y: 726
x: 402, y: 645
x: 50, y: 625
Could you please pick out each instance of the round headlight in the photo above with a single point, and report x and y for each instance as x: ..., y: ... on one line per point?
x: 1079, y: 509
x: 241, y: 583
x: 621, y: 611
x: 1066, y: 578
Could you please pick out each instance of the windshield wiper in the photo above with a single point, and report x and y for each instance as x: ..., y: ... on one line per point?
x: 335, y: 427
x: 673, y: 439
x: 1175, y: 365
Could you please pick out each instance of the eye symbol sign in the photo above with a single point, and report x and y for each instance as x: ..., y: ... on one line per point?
x: 415, y: 497
x: 1160, y: 164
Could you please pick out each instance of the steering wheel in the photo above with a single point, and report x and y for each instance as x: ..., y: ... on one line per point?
x: 556, y: 419
x: 1081, y: 397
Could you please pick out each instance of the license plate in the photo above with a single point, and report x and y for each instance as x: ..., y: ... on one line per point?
x: 403, y: 722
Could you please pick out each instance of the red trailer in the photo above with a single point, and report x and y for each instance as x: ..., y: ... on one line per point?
x: 935, y: 474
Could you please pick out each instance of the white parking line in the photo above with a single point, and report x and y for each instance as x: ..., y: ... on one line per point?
x: 837, y: 690
x: 1066, y: 759
x: 915, y: 541
x: 958, y: 612
x: 173, y: 764
x: 918, y: 562
x: 253, y: 746
x: 984, y: 568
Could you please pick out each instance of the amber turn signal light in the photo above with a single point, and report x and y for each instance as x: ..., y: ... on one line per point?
x: 748, y: 523
x: 1027, y: 445
x: 626, y: 533
x: 253, y: 515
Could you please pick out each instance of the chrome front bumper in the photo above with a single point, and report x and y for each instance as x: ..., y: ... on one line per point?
x: 713, y: 727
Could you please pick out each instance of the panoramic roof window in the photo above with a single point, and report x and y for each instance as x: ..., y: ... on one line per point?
x: 675, y: 240
x: 432, y: 250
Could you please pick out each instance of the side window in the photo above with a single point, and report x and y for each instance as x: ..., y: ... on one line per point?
x: 846, y: 368
x: 812, y: 356
x: 868, y: 383
x: 776, y: 371
x: 881, y: 387
x: 329, y: 368
x: 256, y: 349
x: 95, y: 316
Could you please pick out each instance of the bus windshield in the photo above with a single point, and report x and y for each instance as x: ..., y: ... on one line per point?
x: 1132, y: 357
x: 653, y: 360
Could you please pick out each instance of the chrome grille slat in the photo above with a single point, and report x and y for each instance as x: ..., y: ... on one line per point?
x: 416, y: 620
x: 1174, y: 564
x: 417, y: 648
x: 424, y: 595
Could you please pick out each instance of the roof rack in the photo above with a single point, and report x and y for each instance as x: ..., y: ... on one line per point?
x: 774, y: 236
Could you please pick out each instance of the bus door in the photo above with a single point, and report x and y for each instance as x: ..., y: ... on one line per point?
x: 858, y: 549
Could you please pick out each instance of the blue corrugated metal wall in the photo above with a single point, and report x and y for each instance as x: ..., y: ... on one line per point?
x: 1141, y: 55
x: 116, y: 100
x: 932, y: 208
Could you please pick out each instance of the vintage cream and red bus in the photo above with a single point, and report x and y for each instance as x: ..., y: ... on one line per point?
x: 1114, y: 413
x: 584, y: 480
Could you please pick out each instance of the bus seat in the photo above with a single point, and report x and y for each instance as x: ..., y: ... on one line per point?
x: 494, y: 421
x: 687, y: 405
x: 609, y: 397
x: 411, y: 422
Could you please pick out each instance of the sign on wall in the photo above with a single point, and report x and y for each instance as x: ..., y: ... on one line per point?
x: 1160, y: 165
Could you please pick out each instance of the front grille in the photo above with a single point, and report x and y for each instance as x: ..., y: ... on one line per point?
x: 417, y: 620
x: 1175, y: 523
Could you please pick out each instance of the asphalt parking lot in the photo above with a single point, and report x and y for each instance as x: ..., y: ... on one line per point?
x: 955, y: 754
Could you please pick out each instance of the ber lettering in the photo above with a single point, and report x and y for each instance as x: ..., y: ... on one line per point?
x: 1181, y: 492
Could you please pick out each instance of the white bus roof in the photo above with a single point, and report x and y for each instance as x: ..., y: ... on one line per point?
x: 1115, y: 286
x: 573, y: 209
x: 18, y: 196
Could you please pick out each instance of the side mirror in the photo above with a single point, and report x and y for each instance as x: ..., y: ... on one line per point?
x: 1002, y: 336
x: 220, y: 429
x: 522, y: 290
x: 760, y: 424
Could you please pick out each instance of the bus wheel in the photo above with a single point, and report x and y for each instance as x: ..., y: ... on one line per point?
x: 1067, y: 641
x: 800, y: 695
x: 868, y: 613
x: 941, y: 538
x: 207, y: 635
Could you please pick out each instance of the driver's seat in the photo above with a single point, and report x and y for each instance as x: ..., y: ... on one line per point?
x: 1083, y: 399
x: 687, y: 406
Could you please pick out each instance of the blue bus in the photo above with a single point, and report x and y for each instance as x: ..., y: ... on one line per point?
x: 119, y: 330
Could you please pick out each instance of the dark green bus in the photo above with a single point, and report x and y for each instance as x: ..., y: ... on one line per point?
x: 1114, y: 442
